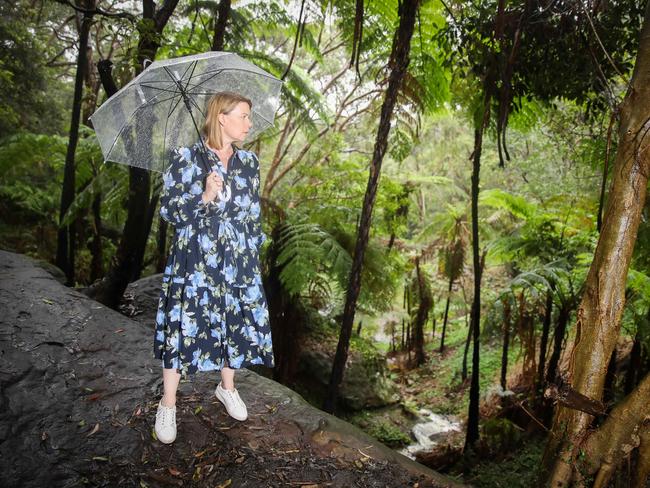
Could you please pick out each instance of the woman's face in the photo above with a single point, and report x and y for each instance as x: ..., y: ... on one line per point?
x: 236, y: 123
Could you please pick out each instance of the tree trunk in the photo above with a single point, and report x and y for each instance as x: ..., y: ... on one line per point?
x: 634, y: 366
x: 96, y: 246
x: 473, y: 413
x: 285, y: 315
x: 548, y: 315
x: 424, y: 306
x: 162, y: 245
x: 642, y: 472
x: 601, y: 309
x: 398, y: 64
x: 444, y: 320
x: 606, y: 447
x: 65, y: 251
x: 127, y: 262
x: 506, y: 342
x: 558, y: 338
x: 463, y: 374
x: 220, y: 25
x: 610, y: 379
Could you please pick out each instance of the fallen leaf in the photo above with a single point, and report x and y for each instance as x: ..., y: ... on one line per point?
x: 239, y: 460
x: 93, y: 397
x: 100, y: 458
x: 95, y: 429
x: 228, y: 482
x: 47, y: 300
x: 198, y: 409
x: 119, y: 330
x: 174, y: 472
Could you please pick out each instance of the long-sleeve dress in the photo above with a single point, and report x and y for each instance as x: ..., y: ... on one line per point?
x: 212, y: 310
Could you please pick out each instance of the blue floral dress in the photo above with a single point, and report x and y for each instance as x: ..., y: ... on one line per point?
x: 212, y: 310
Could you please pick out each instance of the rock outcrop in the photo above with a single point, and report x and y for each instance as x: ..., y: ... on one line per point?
x: 78, y: 392
x: 365, y: 383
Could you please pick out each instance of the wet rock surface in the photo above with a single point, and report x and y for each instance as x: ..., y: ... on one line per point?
x: 365, y: 383
x: 78, y: 393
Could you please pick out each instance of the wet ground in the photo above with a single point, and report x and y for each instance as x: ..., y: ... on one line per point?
x: 78, y: 393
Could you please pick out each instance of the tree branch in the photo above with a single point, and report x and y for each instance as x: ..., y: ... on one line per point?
x: 98, y: 11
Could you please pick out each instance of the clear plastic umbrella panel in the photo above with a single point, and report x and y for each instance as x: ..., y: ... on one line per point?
x: 164, y: 107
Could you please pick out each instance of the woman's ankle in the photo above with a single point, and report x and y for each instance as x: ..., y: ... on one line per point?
x: 168, y: 402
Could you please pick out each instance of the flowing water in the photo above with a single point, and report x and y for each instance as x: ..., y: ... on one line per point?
x: 430, y: 431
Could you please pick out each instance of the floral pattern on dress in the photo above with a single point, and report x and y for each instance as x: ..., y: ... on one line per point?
x: 212, y: 309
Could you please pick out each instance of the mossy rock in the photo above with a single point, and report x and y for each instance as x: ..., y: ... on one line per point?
x: 365, y: 382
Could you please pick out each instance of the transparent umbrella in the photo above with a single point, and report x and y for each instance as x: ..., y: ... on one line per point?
x: 165, y: 105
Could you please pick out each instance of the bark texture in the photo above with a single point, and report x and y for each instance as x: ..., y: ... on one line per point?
x: 599, y: 314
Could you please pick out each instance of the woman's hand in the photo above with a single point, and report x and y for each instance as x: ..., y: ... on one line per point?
x: 213, y: 185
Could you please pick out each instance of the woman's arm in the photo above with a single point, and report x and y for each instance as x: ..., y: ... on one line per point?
x: 181, y: 202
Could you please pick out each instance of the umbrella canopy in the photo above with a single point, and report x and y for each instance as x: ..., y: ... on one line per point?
x: 165, y: 106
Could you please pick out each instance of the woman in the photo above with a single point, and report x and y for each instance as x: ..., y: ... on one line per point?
x: 212, y: 311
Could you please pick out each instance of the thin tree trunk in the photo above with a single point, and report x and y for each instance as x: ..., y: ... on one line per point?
x: 96, y: 246
x: 398, y: 64
x: 463, y: 374
x: 599, y: 314
x: 65, y: 251
x: 162, y: 245
x: 473, y: 411
x: 286, y: 317
x: 558, y: 338
x: 220, y: 23
x: 546, y: 327
x: 506, y: 342
x: 634, y: 367
x: 424, y: 306
x: 444, y: 320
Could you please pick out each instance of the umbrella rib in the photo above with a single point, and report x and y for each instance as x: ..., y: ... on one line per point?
x: 184, y: 90
x: 172, y: 108
x: 132, y: 116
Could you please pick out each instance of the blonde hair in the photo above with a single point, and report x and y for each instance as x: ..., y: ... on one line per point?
x: 220, y: 103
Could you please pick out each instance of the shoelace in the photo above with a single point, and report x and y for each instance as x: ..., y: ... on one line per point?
x: 167, y: 413
x: 235, y: 397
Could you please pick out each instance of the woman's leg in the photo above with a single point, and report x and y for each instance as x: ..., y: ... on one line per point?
x: 171, y: 378
x: 228, y: 378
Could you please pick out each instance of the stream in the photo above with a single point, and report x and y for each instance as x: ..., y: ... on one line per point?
x: 430, y: 431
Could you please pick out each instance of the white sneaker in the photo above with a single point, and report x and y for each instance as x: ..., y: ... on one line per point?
x: 232, y: 401
x: 166, y: 423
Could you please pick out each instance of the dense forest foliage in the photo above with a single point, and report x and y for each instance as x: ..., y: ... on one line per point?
x: 463, y: 184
